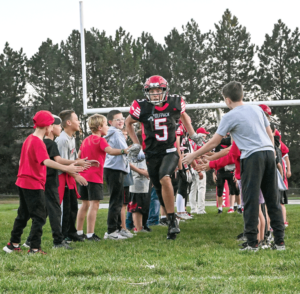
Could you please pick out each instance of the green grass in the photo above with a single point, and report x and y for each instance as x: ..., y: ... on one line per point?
x: 204, y: 259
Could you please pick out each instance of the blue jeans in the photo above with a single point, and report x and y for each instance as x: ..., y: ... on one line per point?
x: 153, y: 218
x: 129, y: 221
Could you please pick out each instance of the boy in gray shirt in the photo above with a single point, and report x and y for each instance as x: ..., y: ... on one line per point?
x: 252, y: 134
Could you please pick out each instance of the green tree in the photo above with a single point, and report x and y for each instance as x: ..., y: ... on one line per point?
x: 279, y: 77
x: 12, y: 115
x: 230, y: 58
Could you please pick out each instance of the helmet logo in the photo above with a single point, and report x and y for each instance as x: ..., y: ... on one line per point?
x: 154, y: 85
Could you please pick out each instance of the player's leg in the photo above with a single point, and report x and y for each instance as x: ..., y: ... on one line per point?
x: 201, y: 193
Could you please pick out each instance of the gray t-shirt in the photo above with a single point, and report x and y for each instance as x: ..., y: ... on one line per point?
x: 66, y: 147
x: 247, y: 126
x: 140, y: 183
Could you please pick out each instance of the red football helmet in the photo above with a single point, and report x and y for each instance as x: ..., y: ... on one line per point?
x: 156, y: 82
x: 265, y: 108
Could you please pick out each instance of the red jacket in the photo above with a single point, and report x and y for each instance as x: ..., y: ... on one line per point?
x: 232, y: 157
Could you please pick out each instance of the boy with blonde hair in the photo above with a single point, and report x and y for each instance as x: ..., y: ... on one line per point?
x: 94, y: 147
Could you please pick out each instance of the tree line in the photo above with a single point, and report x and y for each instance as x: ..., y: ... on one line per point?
x: 196, y: 65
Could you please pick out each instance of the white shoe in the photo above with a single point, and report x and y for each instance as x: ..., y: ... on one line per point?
x: 114, y: 236
x: 201, y: 212
x: 184, y: 216
x: 126, y: 233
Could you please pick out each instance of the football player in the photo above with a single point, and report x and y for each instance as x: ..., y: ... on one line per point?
x: 159, y: 113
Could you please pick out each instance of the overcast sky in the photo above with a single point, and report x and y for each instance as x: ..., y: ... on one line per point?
x: 27, y: 23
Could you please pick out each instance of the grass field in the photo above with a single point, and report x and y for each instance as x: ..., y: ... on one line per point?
x: 204, y: 259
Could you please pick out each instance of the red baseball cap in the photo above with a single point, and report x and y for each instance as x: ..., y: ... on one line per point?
x: 202, y: 131
x: 43, y: 119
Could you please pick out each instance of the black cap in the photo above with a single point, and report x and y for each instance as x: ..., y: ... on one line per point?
x: 57, y: 120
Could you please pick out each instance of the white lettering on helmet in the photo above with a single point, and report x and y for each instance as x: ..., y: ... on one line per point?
x: 154, y: 85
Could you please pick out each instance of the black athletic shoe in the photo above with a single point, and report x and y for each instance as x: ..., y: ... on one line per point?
x: 9, y: 248
x: 241, y: 237
x: 26, y: 244
x: 63, y: 245
x: 146, y: 228
x: 173, y: 224
x: 280, y: 246
x: 247, y: 247
x: 220, y: 211
x: 240, y: 210
x: 94, y: 238
x: 163, y: 222
x: 171, y: 236
x: 74, y: 237
x: 40, y: 251
x: 235, y: 208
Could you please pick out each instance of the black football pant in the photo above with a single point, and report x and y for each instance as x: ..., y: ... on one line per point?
x: 258, y: 171
x: 160, y: 165
x: 32, y: 205
x: 69, y: 214
x: 114, y: 179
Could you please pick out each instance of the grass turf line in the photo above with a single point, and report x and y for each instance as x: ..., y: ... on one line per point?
x: 204, y: 258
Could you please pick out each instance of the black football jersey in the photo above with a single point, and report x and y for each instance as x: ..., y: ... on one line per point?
x: 159, y: 124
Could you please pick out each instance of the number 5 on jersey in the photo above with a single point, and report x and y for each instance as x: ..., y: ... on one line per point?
x: 164, y: 128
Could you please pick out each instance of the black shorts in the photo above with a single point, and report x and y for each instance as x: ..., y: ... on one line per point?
x: 221, y: 178
x: 283, y: 199
x: 93, y: 191
x: 140, y: 202
x: 126, y: 196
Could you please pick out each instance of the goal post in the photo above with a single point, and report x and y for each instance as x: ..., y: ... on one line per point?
x: 87, y: 110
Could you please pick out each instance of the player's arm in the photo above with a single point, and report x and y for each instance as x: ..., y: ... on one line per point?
x: 211, y: 144
x: 130, y: 129
x: 186, y: 120
x: 279, y: 166
x: 179, y: 152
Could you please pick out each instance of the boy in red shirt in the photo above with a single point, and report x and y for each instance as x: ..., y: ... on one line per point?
x: 94, y: 147
x: 31, y: 182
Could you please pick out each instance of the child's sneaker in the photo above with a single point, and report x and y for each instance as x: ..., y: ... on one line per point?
x: 280, y: 246
x: 94, y: 238
x: 230, y: 210
x: 9, y: 248
x: 31, y: 251
x: 220, y: 211
x: 125, y: 233
x: 113, y: 236
x: 240, y: 210
x: 63, y: 244
x: 247, y: 247
x: 163, y: 222
x: 26, y: 244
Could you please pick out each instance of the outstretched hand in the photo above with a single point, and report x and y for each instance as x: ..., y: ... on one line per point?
x: 188, y: 158
x: 73, y: 169
x: 84, y: 163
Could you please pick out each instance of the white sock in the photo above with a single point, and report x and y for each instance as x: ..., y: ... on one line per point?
x: 231, y: 207
x: 239, y: 206
x: 80, y: 232
x: 179, y: 200
x: 163, y: 216
x: 220, y: 208
x: 16, y: 246
x: 235, y: 204
x: 90, y: 235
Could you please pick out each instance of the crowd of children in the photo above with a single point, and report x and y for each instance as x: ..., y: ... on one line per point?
x: 172, y: 162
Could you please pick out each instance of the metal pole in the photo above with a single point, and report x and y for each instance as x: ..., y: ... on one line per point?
x: 202, y: 106
x: 84, y: 92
